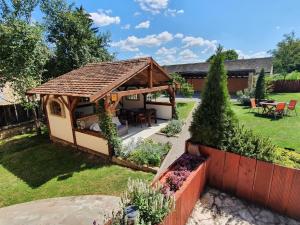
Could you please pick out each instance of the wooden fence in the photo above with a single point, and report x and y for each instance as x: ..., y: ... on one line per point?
x: 273, y: 186
x: 286, y: 86
x: 187, y: 196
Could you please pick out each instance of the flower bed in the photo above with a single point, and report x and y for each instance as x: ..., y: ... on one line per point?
x: 144, y: 153
x: 185, y: 179
x: 181, y: 185
x: 267, y: 184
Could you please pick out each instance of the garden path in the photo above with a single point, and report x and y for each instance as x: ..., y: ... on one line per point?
x: 80, y: 210
x: 178, y: 143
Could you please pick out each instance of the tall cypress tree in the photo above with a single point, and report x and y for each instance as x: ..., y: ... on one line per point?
x: 260, y: 89
x: 214, y: 120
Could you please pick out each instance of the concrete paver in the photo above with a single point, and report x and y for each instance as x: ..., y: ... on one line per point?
x: 79, y: 210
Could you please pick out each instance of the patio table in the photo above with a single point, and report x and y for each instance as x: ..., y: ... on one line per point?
x: 148, y: 112
x: 268, y: 107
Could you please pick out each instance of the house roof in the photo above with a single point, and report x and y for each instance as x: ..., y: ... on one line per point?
x: 7, y: 96
x: 97, y: 79
x: 250, y: 65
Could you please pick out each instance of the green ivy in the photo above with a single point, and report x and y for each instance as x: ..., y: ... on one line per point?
x: 108, y: 128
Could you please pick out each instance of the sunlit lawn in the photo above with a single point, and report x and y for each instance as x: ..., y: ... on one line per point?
x: 283, y: 132
x: 32, y: 168
x: 184, y: 109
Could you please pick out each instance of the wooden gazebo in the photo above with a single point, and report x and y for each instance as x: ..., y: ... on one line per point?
x: 111, y: 81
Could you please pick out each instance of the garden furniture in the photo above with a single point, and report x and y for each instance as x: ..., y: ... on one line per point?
x: 253, y: 106
x: 141, y: 118
x: 268, y: 107
x: 292, y: 107
x: 279, y: 110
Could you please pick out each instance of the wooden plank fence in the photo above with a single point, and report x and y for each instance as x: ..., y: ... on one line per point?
x: 286, y: 86
x: 267, y: 184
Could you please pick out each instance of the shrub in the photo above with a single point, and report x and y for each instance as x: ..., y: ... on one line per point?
x: 180, y: 172
x: 260, y: 89
x: 244, y: 96
x: 152, y: 204
x: 173, y: 127
x: 243, y: 142
x: 214, y: 117
x: 147, y: 152
x: 187, y: 90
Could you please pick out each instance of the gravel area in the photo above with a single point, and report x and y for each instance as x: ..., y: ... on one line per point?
x: 218, y: 208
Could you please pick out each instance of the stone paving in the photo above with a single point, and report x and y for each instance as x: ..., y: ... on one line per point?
x: 217, y: 208
x: 79, y: 210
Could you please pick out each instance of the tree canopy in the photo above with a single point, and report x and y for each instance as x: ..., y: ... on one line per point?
x: 227, y: 55
x: 32, y: 52
x: 76, y: 42
x: 23, y: 52
x: 287, y: 54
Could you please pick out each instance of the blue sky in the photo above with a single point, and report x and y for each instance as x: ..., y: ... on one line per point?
x: 183, y: 31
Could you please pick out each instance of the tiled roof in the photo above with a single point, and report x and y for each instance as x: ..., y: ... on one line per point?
x: 231, y: 65
x: 93, y: 79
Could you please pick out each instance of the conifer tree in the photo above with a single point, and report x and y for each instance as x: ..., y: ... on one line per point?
x: 260, y: 90
x: 214, y: 120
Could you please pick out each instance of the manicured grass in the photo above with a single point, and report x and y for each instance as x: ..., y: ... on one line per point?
x: 184, y: 109
x: 32, y: 168
x: 285, y: 132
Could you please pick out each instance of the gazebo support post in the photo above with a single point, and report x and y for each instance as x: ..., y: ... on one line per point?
x: 71, y: 105
x: 171, y: 92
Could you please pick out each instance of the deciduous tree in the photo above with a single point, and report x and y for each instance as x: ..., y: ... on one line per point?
x: 76, y: 42
x: 287, y: 54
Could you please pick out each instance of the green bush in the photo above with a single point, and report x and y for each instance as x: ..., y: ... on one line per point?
x: 244, y: 96
x: 243, y: 142
x: 152, y: 204
x: 173, y: 127
x: 260, y: 89
x: 147, y: 152
x: 214, y: 116
x: 187, y: 90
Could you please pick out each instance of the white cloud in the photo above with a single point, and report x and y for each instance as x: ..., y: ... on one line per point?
x: 209, y: 45
x: 132, y: 43
x: 188, y: 56
x: 143, y: 25
x: 102, y: 18
x: 166, y: 51
x: 153, y: 6
x: 167, y: 56
x: 179, y: 35
x: 126, y: 26
x: 140, y: 55
x: 136, y: 14
x: 173, y: 12
x: 260, y: 54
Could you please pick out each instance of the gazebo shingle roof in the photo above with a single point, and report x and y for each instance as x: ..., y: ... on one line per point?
x: 94, y: 78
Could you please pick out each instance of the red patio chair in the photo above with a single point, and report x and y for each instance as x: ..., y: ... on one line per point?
x: 279, y: 111
x: 292, y: 106
x: 253, y: 105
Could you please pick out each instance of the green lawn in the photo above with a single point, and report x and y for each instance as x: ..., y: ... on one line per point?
x: 32, y: 168
x: 184, y: 109
x: 285, y: 132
